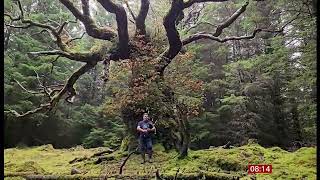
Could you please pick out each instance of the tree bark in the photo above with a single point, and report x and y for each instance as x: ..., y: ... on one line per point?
x: 184, y: 130
x: 141, y: 18
x: 185, y: 141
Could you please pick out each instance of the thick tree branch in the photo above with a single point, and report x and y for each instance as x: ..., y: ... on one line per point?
x: 25, y: 89
x: 105, y: 33
x: 204, y: 35
x: 198, y: 36
x: 230, y: 20
x: 42, y: 107
x: 141, y: 18
x: 175, y: 44
x: 85, y: 8
x: 12, y: 18
x: 42, y: 90
x: 68, y: 88
x: 169, y: 23
x: 18, y: 27
x: 42, y: 31
x: 191, y: 2
x: 29, y: 23
x: 20, y: 8
x: 32, y: 23
x: 227, y: 22
x: 46, y: 90
x: 89, y: 57
x: 173, y: 36
x: 122, y: 23
x: 170, y: 19
x: 55, y: 98
x: 53, y: 52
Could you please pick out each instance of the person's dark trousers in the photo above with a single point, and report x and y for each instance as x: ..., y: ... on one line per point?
x: 145, y: 146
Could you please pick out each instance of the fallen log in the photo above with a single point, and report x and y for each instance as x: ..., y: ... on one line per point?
x: 100, y: 159
x: 78, y: 160
x: 109, y: 151
x: 104, y: 158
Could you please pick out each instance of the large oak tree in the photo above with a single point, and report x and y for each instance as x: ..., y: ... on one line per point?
x: 137, y: 49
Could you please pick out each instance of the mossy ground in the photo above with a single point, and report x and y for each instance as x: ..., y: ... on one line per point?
x: 218, y: 163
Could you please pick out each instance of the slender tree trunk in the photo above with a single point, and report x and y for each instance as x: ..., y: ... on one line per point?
x: 185, y: 140
x: 180, y: 114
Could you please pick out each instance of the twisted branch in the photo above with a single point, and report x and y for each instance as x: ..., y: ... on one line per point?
x: 204, y: 35
x: 191, y: 2
x: 122, y: 25
x: 105, y: 33
x: 55, y: 97
x: 89, y: 58
x: 173, y: 36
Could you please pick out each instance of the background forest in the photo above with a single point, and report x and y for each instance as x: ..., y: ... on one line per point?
x: 262, y: 88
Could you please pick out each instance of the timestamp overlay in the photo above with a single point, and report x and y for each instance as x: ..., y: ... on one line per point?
x: 259, y: 169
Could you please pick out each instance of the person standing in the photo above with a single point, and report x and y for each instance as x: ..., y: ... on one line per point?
x: 145, y: 129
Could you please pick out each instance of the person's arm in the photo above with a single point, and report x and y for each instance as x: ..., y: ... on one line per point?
x: 140, y: 129
x: 153, y: 128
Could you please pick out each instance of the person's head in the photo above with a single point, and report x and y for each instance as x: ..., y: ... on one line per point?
x: 145, y: 116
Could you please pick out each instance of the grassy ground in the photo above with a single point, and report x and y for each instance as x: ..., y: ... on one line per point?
x: 214, y: 163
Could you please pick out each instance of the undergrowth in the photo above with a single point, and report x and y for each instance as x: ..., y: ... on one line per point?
x: 215, y: 163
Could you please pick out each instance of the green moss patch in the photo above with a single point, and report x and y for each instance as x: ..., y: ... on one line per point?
x: 215, y: 163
